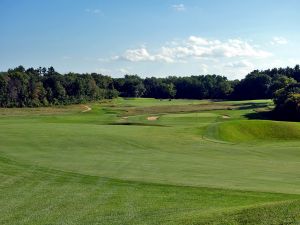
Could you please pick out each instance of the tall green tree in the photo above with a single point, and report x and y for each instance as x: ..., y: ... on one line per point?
x: 287, y: 101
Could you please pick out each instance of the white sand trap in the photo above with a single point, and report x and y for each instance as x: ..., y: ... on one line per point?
x: 226, y: 117
x: 86, y: 108
x: 152, y: 118
x: 125, y: 117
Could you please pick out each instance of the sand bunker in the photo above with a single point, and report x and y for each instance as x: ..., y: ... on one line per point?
x: 226, y: 117
x: 152, y: 118
x: 86, y: 108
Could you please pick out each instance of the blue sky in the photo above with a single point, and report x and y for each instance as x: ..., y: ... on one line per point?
x: 150, y: 38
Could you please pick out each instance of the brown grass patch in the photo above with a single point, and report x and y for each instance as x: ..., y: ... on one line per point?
x: 131, y: 111
x: 54, y: 110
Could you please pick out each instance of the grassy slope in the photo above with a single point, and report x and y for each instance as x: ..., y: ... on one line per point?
x: 37, y: 195
x: 241, y: 131
x: 76, y: 168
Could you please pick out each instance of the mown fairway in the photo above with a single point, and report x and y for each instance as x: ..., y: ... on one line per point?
x: 146, y: 161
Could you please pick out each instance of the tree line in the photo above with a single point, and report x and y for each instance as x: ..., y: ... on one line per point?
x: 45, y: 87
x: 282, y: 85
x: 31, y: 87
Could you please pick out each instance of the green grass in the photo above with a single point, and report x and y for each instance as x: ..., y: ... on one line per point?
x: 241, y: 131
x: 200, y: 162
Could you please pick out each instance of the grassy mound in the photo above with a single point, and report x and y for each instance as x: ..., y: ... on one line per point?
x: 258, y: 130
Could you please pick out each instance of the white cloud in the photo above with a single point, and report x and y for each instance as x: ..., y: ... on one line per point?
x: 142, y: 54
x: 199, y: 40
x: 93, y: 11
x: 139, y: 54
x: 123, y: 70
x: 279, y: 41
x: 204, y: 68
x: 179, y: 7
x: 195, y: 48
x: 240, y: 64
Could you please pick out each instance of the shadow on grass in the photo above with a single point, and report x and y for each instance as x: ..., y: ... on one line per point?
x: 253, y: 105
x: 261, y: 115
x: 137, y: 124
x: 270, y: 115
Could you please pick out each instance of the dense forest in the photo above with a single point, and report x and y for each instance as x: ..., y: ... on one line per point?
x: 44, y: 87
x: 31, y: 87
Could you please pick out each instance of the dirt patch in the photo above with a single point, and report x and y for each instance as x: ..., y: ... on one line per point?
x: 226, y: 117
x: 152, y: 118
